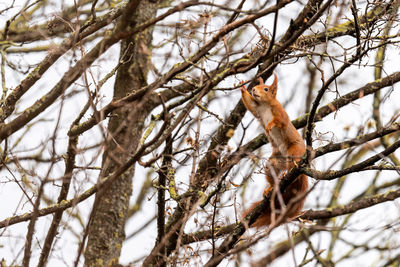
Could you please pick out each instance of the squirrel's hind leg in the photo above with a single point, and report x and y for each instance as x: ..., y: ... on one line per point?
x: 273, y: 167
x: 294, y: 155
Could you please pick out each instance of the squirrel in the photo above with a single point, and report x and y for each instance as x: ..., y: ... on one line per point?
x: 287, y: 148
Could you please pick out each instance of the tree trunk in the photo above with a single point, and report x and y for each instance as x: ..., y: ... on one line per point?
x: 106, y: 230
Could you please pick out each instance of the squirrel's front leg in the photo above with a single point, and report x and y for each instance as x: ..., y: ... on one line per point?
x: 269, y: 126
x: 249, y: 101
x: 275, y: 122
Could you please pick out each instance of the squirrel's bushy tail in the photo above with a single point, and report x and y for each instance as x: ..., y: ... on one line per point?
x: 299, y: 186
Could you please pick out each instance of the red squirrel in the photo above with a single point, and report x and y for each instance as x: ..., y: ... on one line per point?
x: 287, y: 147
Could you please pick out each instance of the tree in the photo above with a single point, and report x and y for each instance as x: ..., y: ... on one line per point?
x: 122, y: 120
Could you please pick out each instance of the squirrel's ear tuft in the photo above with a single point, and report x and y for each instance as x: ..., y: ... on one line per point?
x: 260, y: 80
x: 274, y: 86
x: 275, y: 82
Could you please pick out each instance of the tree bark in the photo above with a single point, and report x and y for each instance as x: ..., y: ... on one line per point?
x: 106, y: 230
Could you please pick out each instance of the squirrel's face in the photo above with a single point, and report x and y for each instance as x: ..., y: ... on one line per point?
x: 265, y: 93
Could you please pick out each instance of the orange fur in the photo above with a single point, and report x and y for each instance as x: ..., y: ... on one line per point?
x: 287, y: 147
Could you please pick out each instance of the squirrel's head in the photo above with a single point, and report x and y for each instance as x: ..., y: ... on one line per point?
x: 264, y: 92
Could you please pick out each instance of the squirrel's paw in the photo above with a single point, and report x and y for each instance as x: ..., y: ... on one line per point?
x: 269, y: 127
x: 295, y: 163
x: 242, y: 88
x: 266, y: 191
